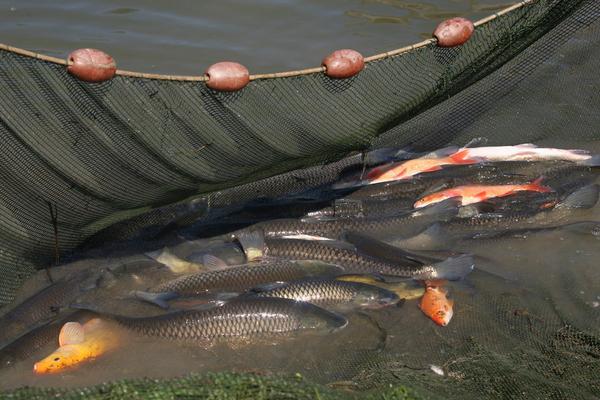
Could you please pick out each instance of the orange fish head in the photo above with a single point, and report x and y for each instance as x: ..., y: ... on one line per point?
x: 64, y: 358
x: 442, y: 317
x: 429, y: 199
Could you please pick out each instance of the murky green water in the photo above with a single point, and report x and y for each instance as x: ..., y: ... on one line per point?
x: 185, y: 37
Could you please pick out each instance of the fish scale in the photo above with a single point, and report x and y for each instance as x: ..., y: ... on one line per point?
x: 326, y: 293
x: 407, y: 224
x: 242, y: 277
x: 244, y: 318
x: 351, y: 261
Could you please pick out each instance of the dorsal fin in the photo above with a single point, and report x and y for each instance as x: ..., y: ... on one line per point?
x: 71, y: 333
x: 380, y: 250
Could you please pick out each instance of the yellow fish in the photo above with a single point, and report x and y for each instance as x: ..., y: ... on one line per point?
x: 78, y: 344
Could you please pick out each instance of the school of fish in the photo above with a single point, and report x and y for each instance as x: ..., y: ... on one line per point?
x: 369, y: 241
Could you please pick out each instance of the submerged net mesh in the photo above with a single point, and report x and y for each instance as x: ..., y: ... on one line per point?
x: 99, y: 154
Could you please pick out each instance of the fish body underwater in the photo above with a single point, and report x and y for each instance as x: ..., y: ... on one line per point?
x: 407, y: 169
x: 476, y: 193
x: 406, y: 224
x: 243, y: 277
x: 334, y: 294
x: 525, y: 152
x: 355, y: 262
x: 407, y: 290
x: 42, y: 306
x: 436, y: 305
x: 244, y: 318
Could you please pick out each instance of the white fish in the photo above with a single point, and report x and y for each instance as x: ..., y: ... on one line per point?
x: 526, y: 152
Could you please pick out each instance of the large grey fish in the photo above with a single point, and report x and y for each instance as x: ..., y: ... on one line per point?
x: 243, y: 318
x: 333, y: 294
x: 236, y: 279
x: 389, y: 261
x: 43, y: 305
x: 403, y: 225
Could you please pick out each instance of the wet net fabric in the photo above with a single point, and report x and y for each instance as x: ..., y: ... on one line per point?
x: 114, y: 161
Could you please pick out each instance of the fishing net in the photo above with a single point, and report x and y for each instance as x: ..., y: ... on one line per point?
x: 126, y: 159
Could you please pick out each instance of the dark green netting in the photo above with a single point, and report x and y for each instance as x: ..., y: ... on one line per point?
x: 108, y: 156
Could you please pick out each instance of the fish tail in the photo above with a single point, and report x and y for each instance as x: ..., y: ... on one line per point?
x: 593, y: 161
x: 585, y: 197
x: 253, y: 243
x: 536, y: 186
x: 455, y: 268
x: 159, y: 299
x: 462, y: 157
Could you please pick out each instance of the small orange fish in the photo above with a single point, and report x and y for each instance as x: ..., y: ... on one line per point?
x: 77, y: 344
x: 470, y: 194
x: 407, y: 169
x: 436, y: 305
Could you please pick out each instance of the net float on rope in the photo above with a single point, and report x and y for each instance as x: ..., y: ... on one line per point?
x: 91, y: 65
x: 227, y: 76
x: 453, y: 32
x: 343, y: 63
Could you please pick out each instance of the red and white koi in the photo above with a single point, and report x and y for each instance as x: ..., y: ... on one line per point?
x: 470, y: 194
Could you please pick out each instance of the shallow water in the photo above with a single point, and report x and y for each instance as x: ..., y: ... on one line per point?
x: 185, y: 37
x: 523, y: 298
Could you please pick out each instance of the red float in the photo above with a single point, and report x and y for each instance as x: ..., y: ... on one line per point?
x: 227, y: 76
x: 91, y: 65
x: 343, y: 63
x: 453, y: 32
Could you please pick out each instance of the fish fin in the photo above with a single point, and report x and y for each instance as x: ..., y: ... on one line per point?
x: 443, y: 152
x: 266, y: 287
x: 445, y: 209
x: 158, y: 299
x: 155, y: 255
x: 305, y: 237
x: 377, y: 249
x: 71, y: 333
x: 593, y: 161
x: 476, y: 142
x: 537, y: 186
x: 455, y: 268
x: 253, y: 243
x: 213, y: 262
x: 585, y: 197
x: 462, y: 157
x: 386, y: 154
x: 527, y: 145
x: 349, y: 185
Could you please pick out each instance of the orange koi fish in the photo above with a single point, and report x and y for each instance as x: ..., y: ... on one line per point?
x: 470, y: 194
x: 77, y: 344
x: 435, y: 304
x: 407, y: 169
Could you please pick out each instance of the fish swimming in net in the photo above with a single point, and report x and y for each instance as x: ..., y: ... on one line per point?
x: 244, y: 318
x: 435, y: 304
x: 470, y: 194
x: 332, y: 294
